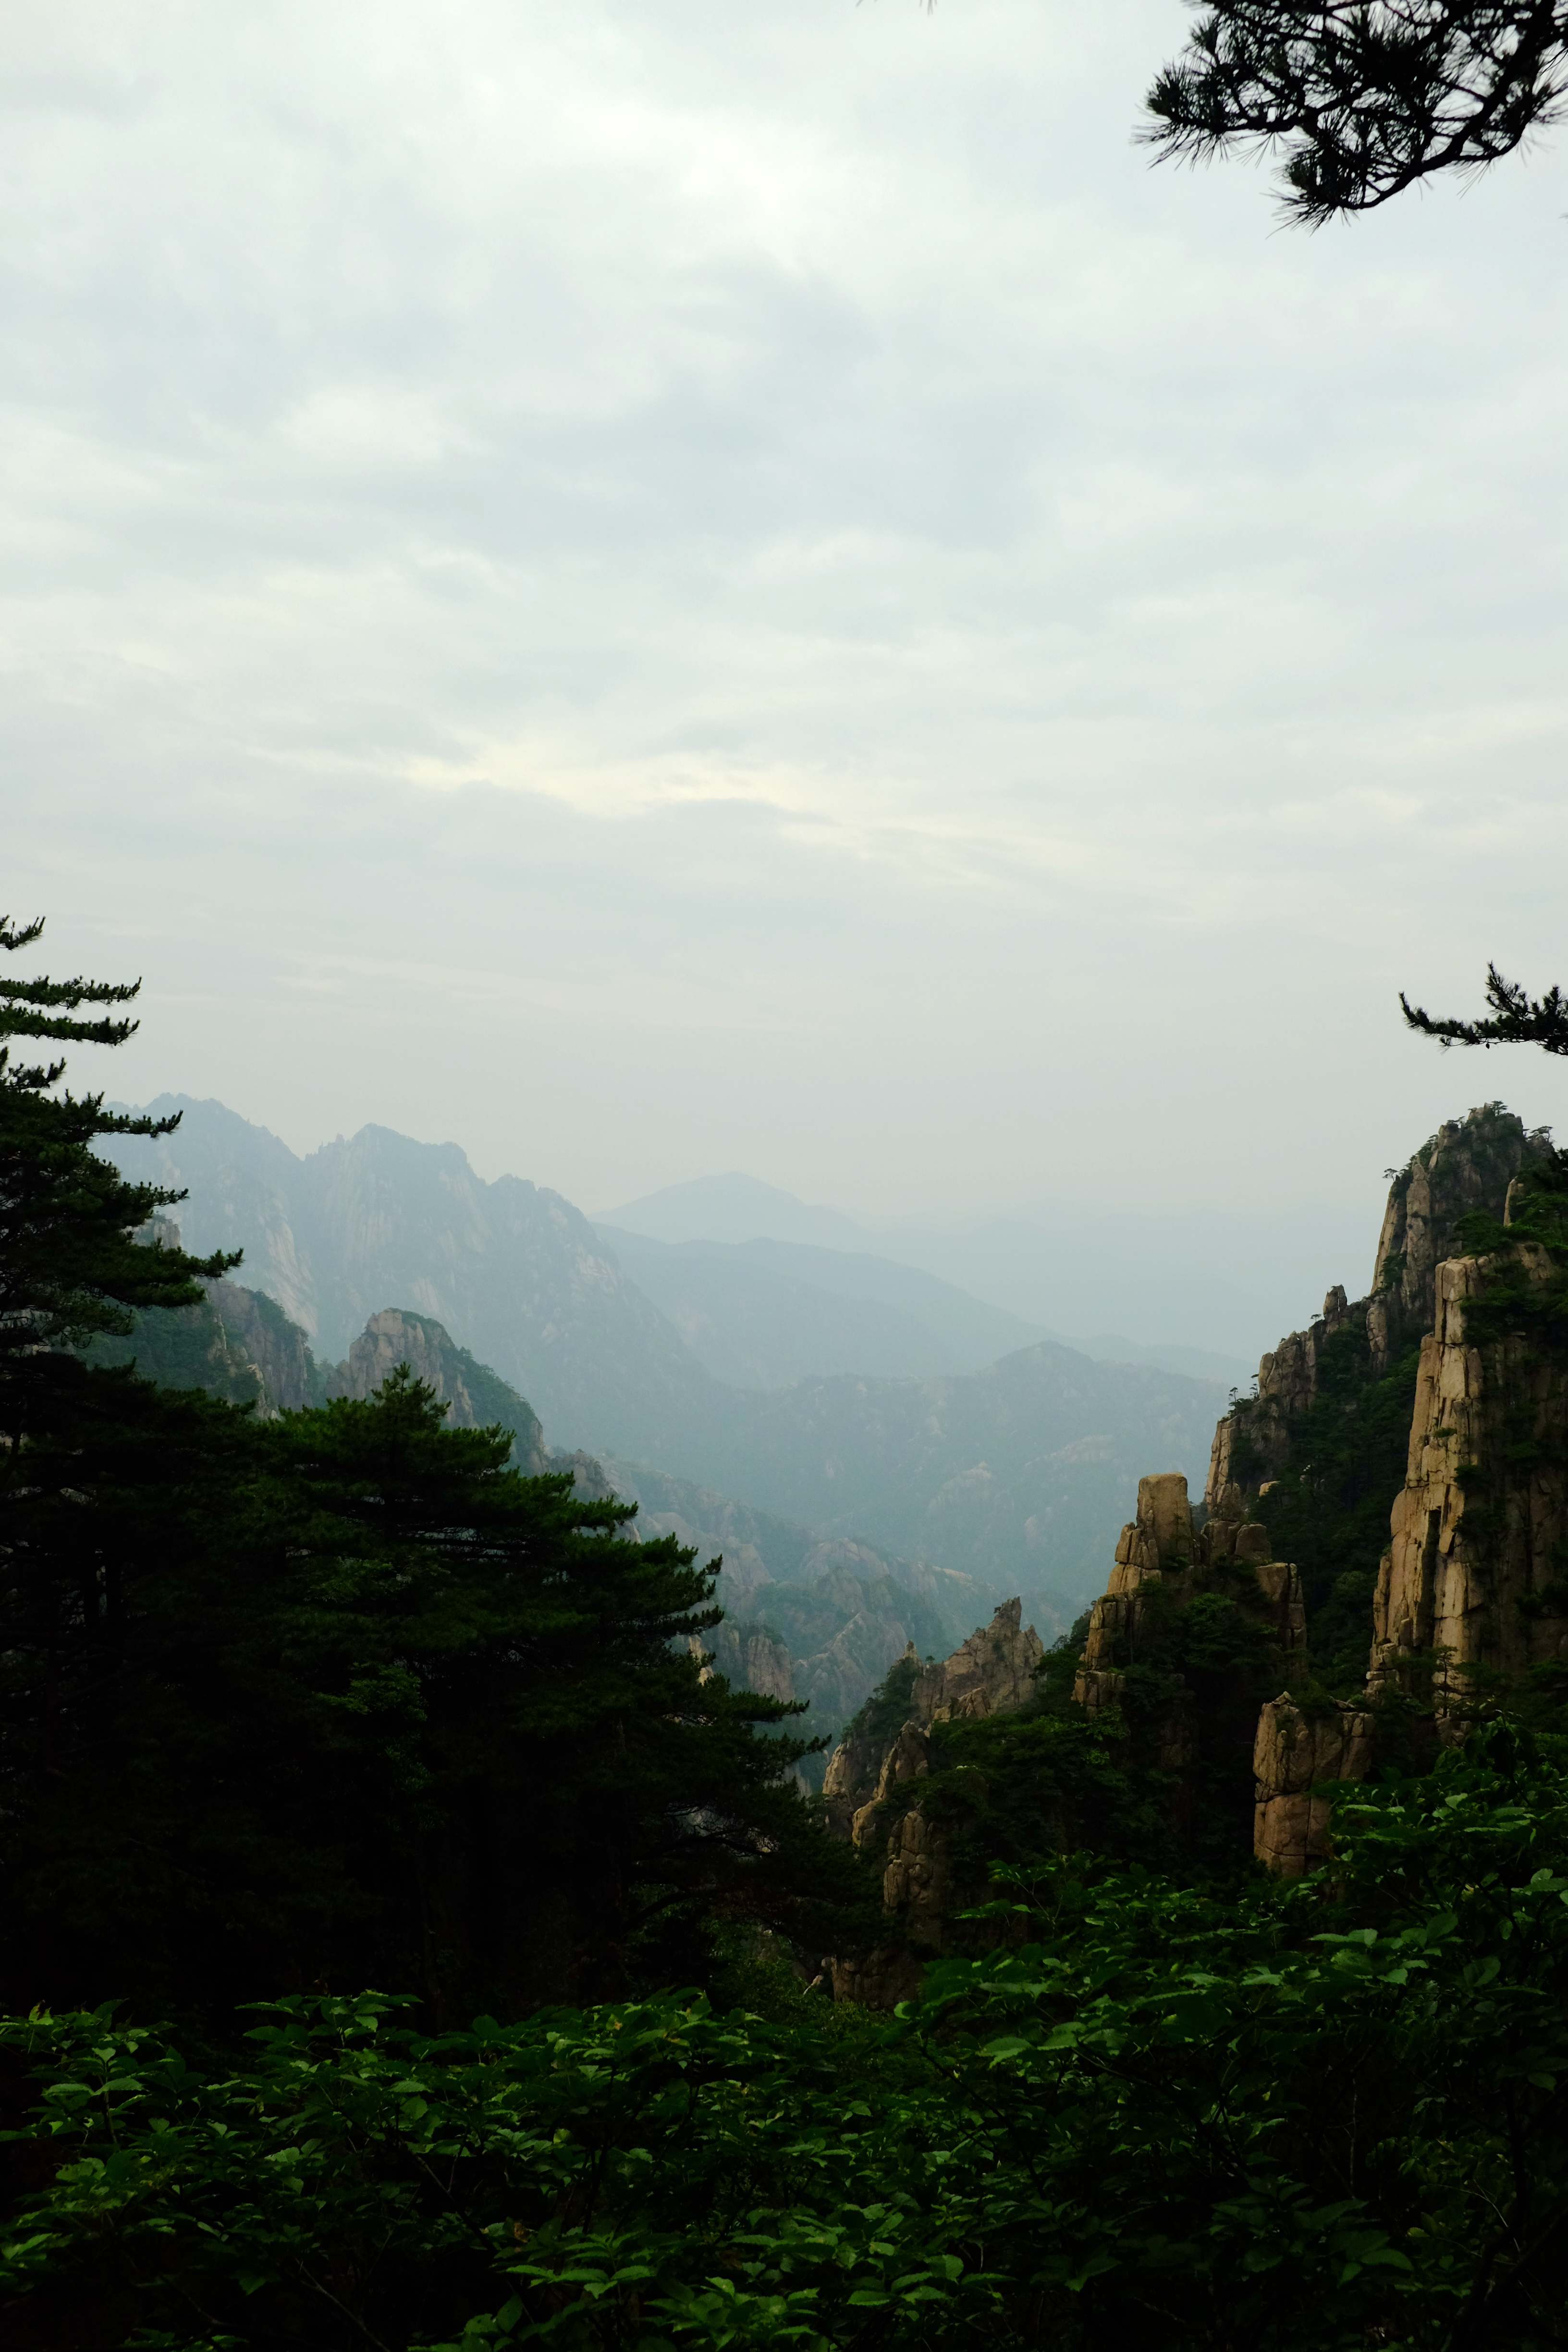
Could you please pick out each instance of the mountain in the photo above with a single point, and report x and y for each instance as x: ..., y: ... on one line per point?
x: 514, y: 1270
x: 1013, y: 1474
x: 807, y: 1617
x: 734, y: 1208
x: 764, y: 1314
x: 1213, y: 1282
x: 1017, y: 1474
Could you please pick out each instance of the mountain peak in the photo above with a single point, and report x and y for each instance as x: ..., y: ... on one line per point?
x: 735, y: 1207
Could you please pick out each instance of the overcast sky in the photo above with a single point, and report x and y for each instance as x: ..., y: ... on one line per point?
x: 662, y: 585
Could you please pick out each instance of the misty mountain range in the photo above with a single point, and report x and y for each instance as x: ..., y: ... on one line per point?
x: 887, y: 1426
x: 807, y: 1617
x: 1206, y: 1287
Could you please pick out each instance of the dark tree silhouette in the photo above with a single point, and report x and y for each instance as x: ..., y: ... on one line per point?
x: 1515, y: 1019
x: 1364, y: 97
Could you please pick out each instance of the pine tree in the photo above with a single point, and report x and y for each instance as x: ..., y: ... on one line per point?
x: 70, y: 1266
x: 93, y: 1464
x: 340, y: 1697
x: 380, y: 1709
x: 1364, y: 97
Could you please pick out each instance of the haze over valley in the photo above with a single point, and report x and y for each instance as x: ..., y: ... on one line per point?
x: 862, y: 1400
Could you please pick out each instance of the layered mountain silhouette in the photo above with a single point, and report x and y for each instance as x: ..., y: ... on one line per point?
x: 1214, y: 1280
x: 808, y: 1617
x: 1016, y: 1473
x: 765, y: 1313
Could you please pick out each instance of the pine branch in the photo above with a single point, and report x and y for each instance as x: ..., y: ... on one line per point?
x: 1516, y: 1019
x: 1363, y: 97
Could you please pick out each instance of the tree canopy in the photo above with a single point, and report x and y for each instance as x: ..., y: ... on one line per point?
x: 1361, y: 98
x: 340, y: 1696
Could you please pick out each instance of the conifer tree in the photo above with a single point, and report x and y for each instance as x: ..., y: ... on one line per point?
x: 338, y: 1697
x: 1363, y: 96
x: 70, y: 1264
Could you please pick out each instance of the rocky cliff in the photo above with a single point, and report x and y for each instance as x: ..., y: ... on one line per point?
x: 1211, y: 1618
x: 1390, y: 1414
x: 1467, y: 1166
x: 1474, y: 1585
x: 993, y: 1673
x: 234, y: 1343
x: 474, y: 1396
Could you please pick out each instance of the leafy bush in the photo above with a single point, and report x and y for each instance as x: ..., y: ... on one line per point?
x: 1319, y: 2116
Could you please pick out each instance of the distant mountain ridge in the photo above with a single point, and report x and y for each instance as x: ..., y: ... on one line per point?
x: 512, y: 1269
x: 807, y: 1617
x: 1016, y: 1473
x: 1211, y: 1281
x: 734, y: 1208
x: 765, y: 1314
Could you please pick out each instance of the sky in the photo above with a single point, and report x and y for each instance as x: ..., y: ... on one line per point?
x: 660, y: 589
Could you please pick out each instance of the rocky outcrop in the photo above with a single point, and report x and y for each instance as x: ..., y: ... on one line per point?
x: 993, y: 1673
x: 750, y: 1657
x: 1469, y: 1164
x: 1471, y: 1585
x: 990, y: 1673
x: 475, y: 1397
x: 1474, y: 1577
x: 1253, y: 1442
x: 273, y: 1349
x: 1296, y: 1752
x: 1162, y: 1562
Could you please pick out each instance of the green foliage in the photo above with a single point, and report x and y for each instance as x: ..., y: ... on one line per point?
x: 1327, y: 1509
x: 879, y: 1719
x: 341, y: 1696
x: 1015, y: 1789
x: 1515, y: 1303
x: 367, y: 1701
x: 69, y: 1266
x: 1304, y: 2118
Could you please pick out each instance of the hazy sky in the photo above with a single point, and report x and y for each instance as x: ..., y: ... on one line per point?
x: 662, y: 585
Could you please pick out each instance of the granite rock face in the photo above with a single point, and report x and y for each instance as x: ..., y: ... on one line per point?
x: 993, y: 1673
x: 750, y: 1658
x: 474, y: 1397
x: 259, y: 1336
x: 1164, y: 1562
x: 1473, y: 1577
x: 1294, y: 1752
x: 1469, y: 1164
x: 1162, y: 1553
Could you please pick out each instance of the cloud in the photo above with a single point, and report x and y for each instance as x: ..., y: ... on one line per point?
x: 762, y: 588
